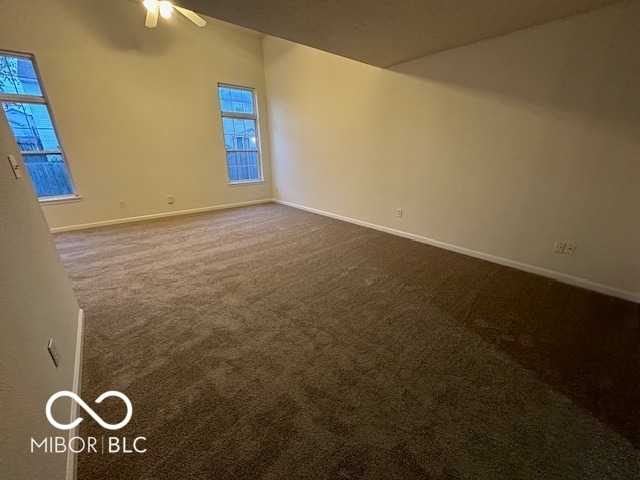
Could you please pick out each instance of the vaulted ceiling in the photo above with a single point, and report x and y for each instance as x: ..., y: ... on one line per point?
x: 388, y: 32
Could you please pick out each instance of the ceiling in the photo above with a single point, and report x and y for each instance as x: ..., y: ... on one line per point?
x: 384, y: 32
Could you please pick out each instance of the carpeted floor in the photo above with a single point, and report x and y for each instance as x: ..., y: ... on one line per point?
x: 267, y: 342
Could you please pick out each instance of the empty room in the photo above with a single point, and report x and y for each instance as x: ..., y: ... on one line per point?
x: 319, y: 239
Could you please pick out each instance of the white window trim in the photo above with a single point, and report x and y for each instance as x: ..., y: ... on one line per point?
x: 43, y: 100
x: 59, y: 199
x: 242, y: 115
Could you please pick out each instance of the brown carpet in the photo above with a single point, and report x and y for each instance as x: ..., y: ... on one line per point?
x: 267, y: 342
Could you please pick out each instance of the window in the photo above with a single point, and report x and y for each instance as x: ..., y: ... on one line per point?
x: 27, y: 111
x: 240, y: 130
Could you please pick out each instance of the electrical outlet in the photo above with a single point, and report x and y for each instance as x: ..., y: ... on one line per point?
x: 53, y: 351
x: 121, y: 203
x: 565, y: 247
x: 170, y: 199
x: 399, y: 212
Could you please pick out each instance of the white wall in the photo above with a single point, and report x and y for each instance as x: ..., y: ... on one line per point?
x: 502, y: 147
x: 36, y: 304
x: 137, y: 109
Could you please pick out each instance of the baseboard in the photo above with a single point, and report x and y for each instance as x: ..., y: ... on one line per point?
x: 72, y: 458
x: 154, y: 216
x: 560, y: 277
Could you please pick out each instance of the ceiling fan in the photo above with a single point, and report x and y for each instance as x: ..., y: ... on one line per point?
x: 165, y: 9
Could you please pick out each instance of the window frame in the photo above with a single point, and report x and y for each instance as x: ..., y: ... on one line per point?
x: 242, y: 116
x: 41, y: 100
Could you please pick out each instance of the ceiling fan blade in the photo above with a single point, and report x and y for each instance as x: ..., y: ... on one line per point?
x: 195, y: 18
x: 152, y: 17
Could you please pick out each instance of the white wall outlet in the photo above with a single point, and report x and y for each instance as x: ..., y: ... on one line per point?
x: 559, y: 247
x: 170, y: 199
x: 121, y: 203
x: 53, y: 351
x: 570, y: 248
x: 399, y: 212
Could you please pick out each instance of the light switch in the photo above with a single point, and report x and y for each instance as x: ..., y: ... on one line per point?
x: 53, y: 351
x: 15, y: 166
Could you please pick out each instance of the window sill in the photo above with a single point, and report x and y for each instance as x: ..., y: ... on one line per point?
x: 248, y: 182
x: 61, y: 199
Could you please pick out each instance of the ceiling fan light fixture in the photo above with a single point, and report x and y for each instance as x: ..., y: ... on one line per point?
x: 166, y: 9
x: 150, y: 5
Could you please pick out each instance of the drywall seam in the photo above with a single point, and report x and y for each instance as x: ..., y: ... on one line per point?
x: 561, y: 277
x: 72, y: 458
x: 153, y: 216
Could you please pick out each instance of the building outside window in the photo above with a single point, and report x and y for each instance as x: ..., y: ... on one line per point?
x: 240, y: 130
x: 28, y: 113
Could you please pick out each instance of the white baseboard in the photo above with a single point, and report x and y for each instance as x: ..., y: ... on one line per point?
x: 153, y: 216
x: 72, y: 458
x: 560, y: 277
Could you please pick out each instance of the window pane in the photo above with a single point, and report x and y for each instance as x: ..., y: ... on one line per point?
x: 227, y: 125
x: 48, y: 174
x: 238, y: 107
x: 31, y: 125
x: 236, y: 94
x: 243, y: 166
x: 232, y: 165
x: 247, y: 97
x: 250, y: 133
x: 247, y: 100
x: 224, y: 93
x: 33, y: 131
x: 235, y: 100
x: 238, y: 127
x: 18, y: 76
x: 240, y: 133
